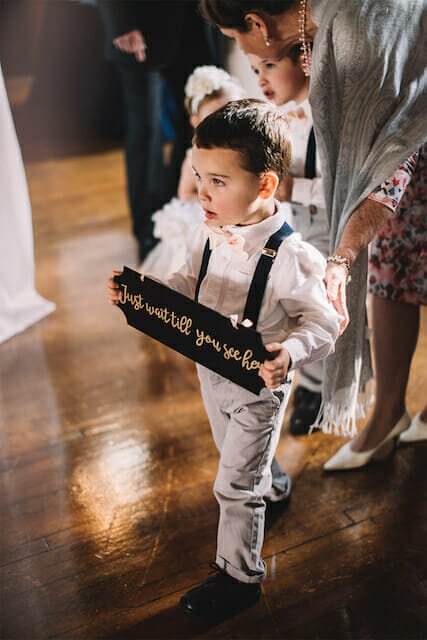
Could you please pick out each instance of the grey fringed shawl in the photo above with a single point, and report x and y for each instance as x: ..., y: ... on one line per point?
x: 368, y: 94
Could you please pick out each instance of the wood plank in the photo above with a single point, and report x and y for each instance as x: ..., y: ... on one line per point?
x: 106, y: 475
x: 358, y: 582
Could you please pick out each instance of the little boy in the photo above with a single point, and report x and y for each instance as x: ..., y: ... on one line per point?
x: 284, y: 83
x: 240, y: 154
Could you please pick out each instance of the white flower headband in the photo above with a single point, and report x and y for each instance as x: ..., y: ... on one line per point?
x: 204, y: 81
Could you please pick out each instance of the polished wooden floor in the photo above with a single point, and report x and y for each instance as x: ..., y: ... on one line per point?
x: 107, y: 514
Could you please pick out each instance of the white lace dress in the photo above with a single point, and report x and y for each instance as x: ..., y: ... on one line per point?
x: 20, y: 304
x: 174, y: 225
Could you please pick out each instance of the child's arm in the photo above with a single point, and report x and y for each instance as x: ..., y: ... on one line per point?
x: 184, y: 281
x: 303, y: 191
x: 181, y: 281
x: 316, y: 324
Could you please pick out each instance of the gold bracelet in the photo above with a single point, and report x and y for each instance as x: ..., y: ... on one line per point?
x: 340, y: 260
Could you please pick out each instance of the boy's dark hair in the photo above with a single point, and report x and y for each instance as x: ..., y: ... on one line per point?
x: 230, y: 14
x: 254, y: 128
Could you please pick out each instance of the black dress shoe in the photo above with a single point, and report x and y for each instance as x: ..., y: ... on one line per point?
x: 220, y: 597
x: 306, y: 407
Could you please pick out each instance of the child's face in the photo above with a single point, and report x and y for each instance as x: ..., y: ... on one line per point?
x: 228, y: 193
x: 280, y: 80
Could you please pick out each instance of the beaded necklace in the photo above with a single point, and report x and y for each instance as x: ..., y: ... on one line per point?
x: 305, y: 47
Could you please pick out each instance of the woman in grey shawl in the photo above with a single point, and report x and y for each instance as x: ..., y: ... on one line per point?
x: 368, y: 96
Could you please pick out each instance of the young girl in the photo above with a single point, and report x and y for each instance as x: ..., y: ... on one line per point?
x: 208, y: 88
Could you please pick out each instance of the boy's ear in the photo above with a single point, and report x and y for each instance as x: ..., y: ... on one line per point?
x: 268, y: 184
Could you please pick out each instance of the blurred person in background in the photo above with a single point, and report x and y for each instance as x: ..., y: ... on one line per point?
x: 153, y: 43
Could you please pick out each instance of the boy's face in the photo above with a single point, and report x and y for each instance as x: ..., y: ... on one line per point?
x: 280, y: 80
x: 228, y: 193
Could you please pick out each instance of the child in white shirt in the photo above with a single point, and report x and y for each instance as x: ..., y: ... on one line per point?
x: 284, y: 83
x: 240, y: 153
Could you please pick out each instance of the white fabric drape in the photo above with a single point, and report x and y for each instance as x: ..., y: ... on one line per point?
x: 20, y: 304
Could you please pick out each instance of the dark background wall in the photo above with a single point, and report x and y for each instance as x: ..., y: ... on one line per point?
x: 65, y: 95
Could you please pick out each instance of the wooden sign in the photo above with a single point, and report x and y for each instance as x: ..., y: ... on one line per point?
x: 200, y: 333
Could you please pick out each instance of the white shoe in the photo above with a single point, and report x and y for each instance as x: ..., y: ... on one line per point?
x: 416, y: 432
x: 346, y: 458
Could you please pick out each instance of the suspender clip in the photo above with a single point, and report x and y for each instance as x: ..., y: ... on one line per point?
x: 271, y: 253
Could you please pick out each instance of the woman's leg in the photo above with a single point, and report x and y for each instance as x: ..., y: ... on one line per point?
x: 395, y: 328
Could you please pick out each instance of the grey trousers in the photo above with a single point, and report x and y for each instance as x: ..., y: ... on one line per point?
x: 246, y: 430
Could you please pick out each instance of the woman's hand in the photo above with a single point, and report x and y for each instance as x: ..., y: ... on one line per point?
x: 335, y: 281
x: 360, y: 229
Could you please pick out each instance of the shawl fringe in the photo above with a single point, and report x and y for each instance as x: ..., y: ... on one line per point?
x: 338, y: 419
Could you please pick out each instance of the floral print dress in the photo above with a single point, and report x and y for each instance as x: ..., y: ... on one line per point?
x: 398, y: 255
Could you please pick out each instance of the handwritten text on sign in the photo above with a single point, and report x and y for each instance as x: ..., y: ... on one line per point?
x: 194, y: 330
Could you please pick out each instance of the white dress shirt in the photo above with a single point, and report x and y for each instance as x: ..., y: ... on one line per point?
x: 295, y: 309
x: 305, y: 191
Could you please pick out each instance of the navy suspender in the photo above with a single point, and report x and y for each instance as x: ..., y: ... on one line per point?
x: 203, y: 269
x: 310, y: 157
x: 259, y: 280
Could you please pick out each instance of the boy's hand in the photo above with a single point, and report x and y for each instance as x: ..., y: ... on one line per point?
x: 113, y: 289
x: 274, y: 372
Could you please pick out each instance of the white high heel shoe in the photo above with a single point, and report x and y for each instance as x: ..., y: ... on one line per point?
x: 416, y: 432
x: 346, y: 458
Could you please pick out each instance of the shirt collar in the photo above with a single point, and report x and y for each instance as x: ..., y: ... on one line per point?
x: 255, y: 236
